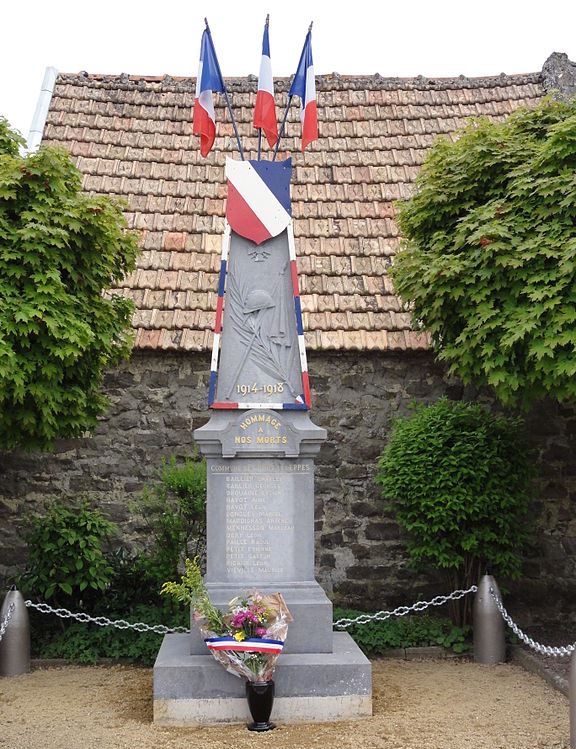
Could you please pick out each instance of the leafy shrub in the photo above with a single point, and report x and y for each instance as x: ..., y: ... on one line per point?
x: 174, y: 510
x: 69, y: 563
x: 457, y: 478
x: 133, y: 582
x: 66, y: 552
x: 132, y: 594
x: 488, y: 266
x: 87, y: 643
x: 60, y: 248
x: 375, y: 637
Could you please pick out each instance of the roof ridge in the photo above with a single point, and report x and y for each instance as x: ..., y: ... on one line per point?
x: 326, y: 82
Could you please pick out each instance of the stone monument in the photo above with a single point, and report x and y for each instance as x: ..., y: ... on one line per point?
x: 260, y: 446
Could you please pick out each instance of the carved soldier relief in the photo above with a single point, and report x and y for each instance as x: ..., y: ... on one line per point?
x: 262, y: 357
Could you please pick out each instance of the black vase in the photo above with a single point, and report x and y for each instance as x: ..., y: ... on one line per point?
x: 260, y: 696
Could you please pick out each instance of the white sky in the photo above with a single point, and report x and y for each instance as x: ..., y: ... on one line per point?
x: 141, y: 37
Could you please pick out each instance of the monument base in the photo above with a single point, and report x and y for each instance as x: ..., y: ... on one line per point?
x: 195, y: 689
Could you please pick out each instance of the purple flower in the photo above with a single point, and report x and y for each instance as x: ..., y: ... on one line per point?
x: 238, y: 619
x: 260, y: 631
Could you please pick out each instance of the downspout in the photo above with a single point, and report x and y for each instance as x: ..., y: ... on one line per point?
x: 42, y: 106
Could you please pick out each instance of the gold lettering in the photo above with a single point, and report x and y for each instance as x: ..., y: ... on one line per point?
x: 260, y: 419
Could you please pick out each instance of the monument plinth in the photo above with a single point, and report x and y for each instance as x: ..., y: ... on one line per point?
x: 260, y: 446
x: 260, y: 516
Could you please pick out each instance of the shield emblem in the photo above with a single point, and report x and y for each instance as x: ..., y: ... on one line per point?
x: 258, y: 205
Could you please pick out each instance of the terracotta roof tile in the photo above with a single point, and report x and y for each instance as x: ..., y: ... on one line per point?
x: 131, y: 136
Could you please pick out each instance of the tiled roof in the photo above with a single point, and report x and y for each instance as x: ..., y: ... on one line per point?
x: 132, y: 137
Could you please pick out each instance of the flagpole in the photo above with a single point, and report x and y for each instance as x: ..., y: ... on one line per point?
x: 226, y: 94
x: 281, y: 133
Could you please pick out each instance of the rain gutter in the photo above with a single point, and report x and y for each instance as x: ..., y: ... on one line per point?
x: 42, y: 106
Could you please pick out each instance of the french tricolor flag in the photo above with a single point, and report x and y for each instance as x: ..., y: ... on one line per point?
x: 304, y: 86
x: 265, y: 110
x: 209, y: 80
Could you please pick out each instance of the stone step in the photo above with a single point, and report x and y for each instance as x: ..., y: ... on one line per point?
x: 195, y: 689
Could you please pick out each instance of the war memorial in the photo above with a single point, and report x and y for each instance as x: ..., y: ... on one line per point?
x: 260, y: 445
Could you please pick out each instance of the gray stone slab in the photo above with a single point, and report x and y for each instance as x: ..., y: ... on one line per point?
x: 313, y: 709
x: 194, y: 689
x: 432, y: 651
x: 344, y: 672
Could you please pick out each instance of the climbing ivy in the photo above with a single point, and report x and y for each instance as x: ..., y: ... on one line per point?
x: 59, y: 250
x: 488, y: 266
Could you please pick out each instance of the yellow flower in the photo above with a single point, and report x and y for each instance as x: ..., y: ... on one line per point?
x: 239, y: 636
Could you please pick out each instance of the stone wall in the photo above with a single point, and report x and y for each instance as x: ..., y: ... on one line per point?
x: 158, y: 399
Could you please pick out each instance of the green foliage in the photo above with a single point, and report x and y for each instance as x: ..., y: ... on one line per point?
x: 458, y: 480
x: 70, y: 564
x: 59, y: 249
x: 66, y: 553
x: 375, y: 637
x: 86, y: 643
x: 174, y: 509
x: 133, y: 581
x: 191, y: 591
x: 132, y: 594
x: 10, y: 140
x: 489, y: 262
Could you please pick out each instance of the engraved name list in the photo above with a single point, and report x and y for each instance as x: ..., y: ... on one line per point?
x: 261, y: 516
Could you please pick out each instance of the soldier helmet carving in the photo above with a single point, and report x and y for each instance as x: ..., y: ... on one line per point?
x: 256, y: 300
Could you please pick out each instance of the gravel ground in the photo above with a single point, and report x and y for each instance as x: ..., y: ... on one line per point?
x: 558, y: 636
x: 417, y: 705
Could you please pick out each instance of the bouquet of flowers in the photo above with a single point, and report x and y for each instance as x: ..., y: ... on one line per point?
x: 248, y: 638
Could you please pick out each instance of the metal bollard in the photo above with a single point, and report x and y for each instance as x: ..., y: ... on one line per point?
x: 15, y: 645
x: 489, y: 642
x: 572, y: 693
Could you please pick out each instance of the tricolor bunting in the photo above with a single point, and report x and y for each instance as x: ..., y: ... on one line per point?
x: 304, y: 86
x: 209, y: 81
x: 219, y: 313
x: 249, y: 645
x: 265, y: 109
x: 306, y: 397
x: 258, y: 205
